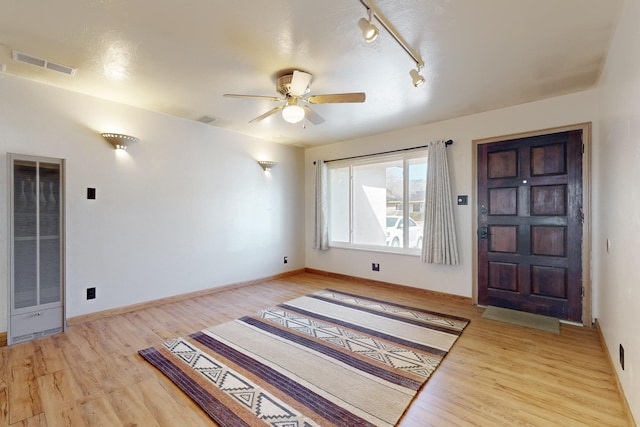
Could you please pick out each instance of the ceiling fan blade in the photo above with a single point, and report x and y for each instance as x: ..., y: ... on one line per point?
x: 267, y: 114
x: 312, y: 116
x: 337, y: 97
x: 299, y: 83
x: 264, y: 98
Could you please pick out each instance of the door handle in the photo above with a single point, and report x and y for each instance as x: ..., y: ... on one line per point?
x: 483, y: 233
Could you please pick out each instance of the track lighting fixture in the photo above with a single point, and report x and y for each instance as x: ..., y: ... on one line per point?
x: 418, y: 80
x: 369, y: 31
x: 293, y: 113
x: 365, y: 26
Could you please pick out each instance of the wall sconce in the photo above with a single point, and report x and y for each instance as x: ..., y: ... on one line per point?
x: 266, y: 165
x: 120, y: 141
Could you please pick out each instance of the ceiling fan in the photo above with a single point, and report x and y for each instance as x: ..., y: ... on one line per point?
x: 294, y: 85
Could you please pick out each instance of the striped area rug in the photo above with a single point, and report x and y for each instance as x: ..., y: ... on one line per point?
x: 325, y: 359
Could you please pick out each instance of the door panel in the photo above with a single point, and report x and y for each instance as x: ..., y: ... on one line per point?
x: 503, y: 276
x: 548, y: 281
x: 530, y: 224
x: 503, y: 164
x: 503, y: 201
x: 549, y: 200
x: 549, y: 241
x: 548, y: 160
x: 503, y: 238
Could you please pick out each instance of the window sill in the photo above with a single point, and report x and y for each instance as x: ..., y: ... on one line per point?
x: 380, y: 249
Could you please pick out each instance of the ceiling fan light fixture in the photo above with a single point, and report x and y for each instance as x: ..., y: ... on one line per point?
x: 369, y: 31
x: 293, y: 113
x: 295, y: 86
x: 418, y: 80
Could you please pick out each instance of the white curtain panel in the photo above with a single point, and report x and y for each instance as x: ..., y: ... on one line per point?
x: 321, y: 235
x: 439, y: 239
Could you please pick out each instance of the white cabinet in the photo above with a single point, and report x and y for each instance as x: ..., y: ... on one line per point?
x: 36, y: 225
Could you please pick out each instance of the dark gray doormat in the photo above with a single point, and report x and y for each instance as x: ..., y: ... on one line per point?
x: 530, y: 320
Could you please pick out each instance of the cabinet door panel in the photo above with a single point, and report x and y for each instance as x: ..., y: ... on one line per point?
x: 49, y: 232
x: 25, y: 232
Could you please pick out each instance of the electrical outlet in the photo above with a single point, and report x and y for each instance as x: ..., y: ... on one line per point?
x: 375, y: 266
x: 286, y: 260
x: 622, y: 356
x: 91, y: 293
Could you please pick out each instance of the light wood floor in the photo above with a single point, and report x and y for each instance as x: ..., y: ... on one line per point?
x: 495, y: 375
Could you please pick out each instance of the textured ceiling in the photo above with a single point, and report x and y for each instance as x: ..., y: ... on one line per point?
x: 180, y: 57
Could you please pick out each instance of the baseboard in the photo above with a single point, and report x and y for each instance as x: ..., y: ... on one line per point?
x: 615, y: 374
x: 3, y: 339
x: 451, y: 297
x: 133, y: 307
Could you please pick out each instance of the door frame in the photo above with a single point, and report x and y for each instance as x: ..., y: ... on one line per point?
x: 586, y: 207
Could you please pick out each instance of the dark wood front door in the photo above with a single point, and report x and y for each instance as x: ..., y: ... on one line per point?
x: 530, y: 224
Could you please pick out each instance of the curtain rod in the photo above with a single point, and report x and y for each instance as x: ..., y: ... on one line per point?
x: 447, y: 143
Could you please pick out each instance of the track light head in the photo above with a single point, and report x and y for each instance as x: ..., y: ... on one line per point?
x: 418, y: 80
x: 369, y: 31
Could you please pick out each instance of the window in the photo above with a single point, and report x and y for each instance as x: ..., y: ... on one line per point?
x: 372, y: 199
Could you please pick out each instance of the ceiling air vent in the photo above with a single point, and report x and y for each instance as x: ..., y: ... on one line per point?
x: 43, y: 63
x: 206, y: 119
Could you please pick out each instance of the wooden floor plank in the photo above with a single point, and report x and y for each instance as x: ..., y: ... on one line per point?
x: 130, y: 407
x: 23, y: 392
x: 98, y: 411
x: 495, y: 375
x: 39, y: 420
x: 167, y: 404
x: 59, y: 398
x: 4, y: 385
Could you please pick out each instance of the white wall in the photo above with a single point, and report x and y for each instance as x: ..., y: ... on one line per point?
x: 618, y: 202
x: 185, y: 209
x: 408, y: 270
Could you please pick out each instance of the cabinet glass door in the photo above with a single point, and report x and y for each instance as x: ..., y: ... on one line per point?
x: 37, y: 278
x: 49, y: 232
x: 25, y: 249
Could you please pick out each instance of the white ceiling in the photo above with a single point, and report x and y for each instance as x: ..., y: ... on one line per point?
x: 180, y: 57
